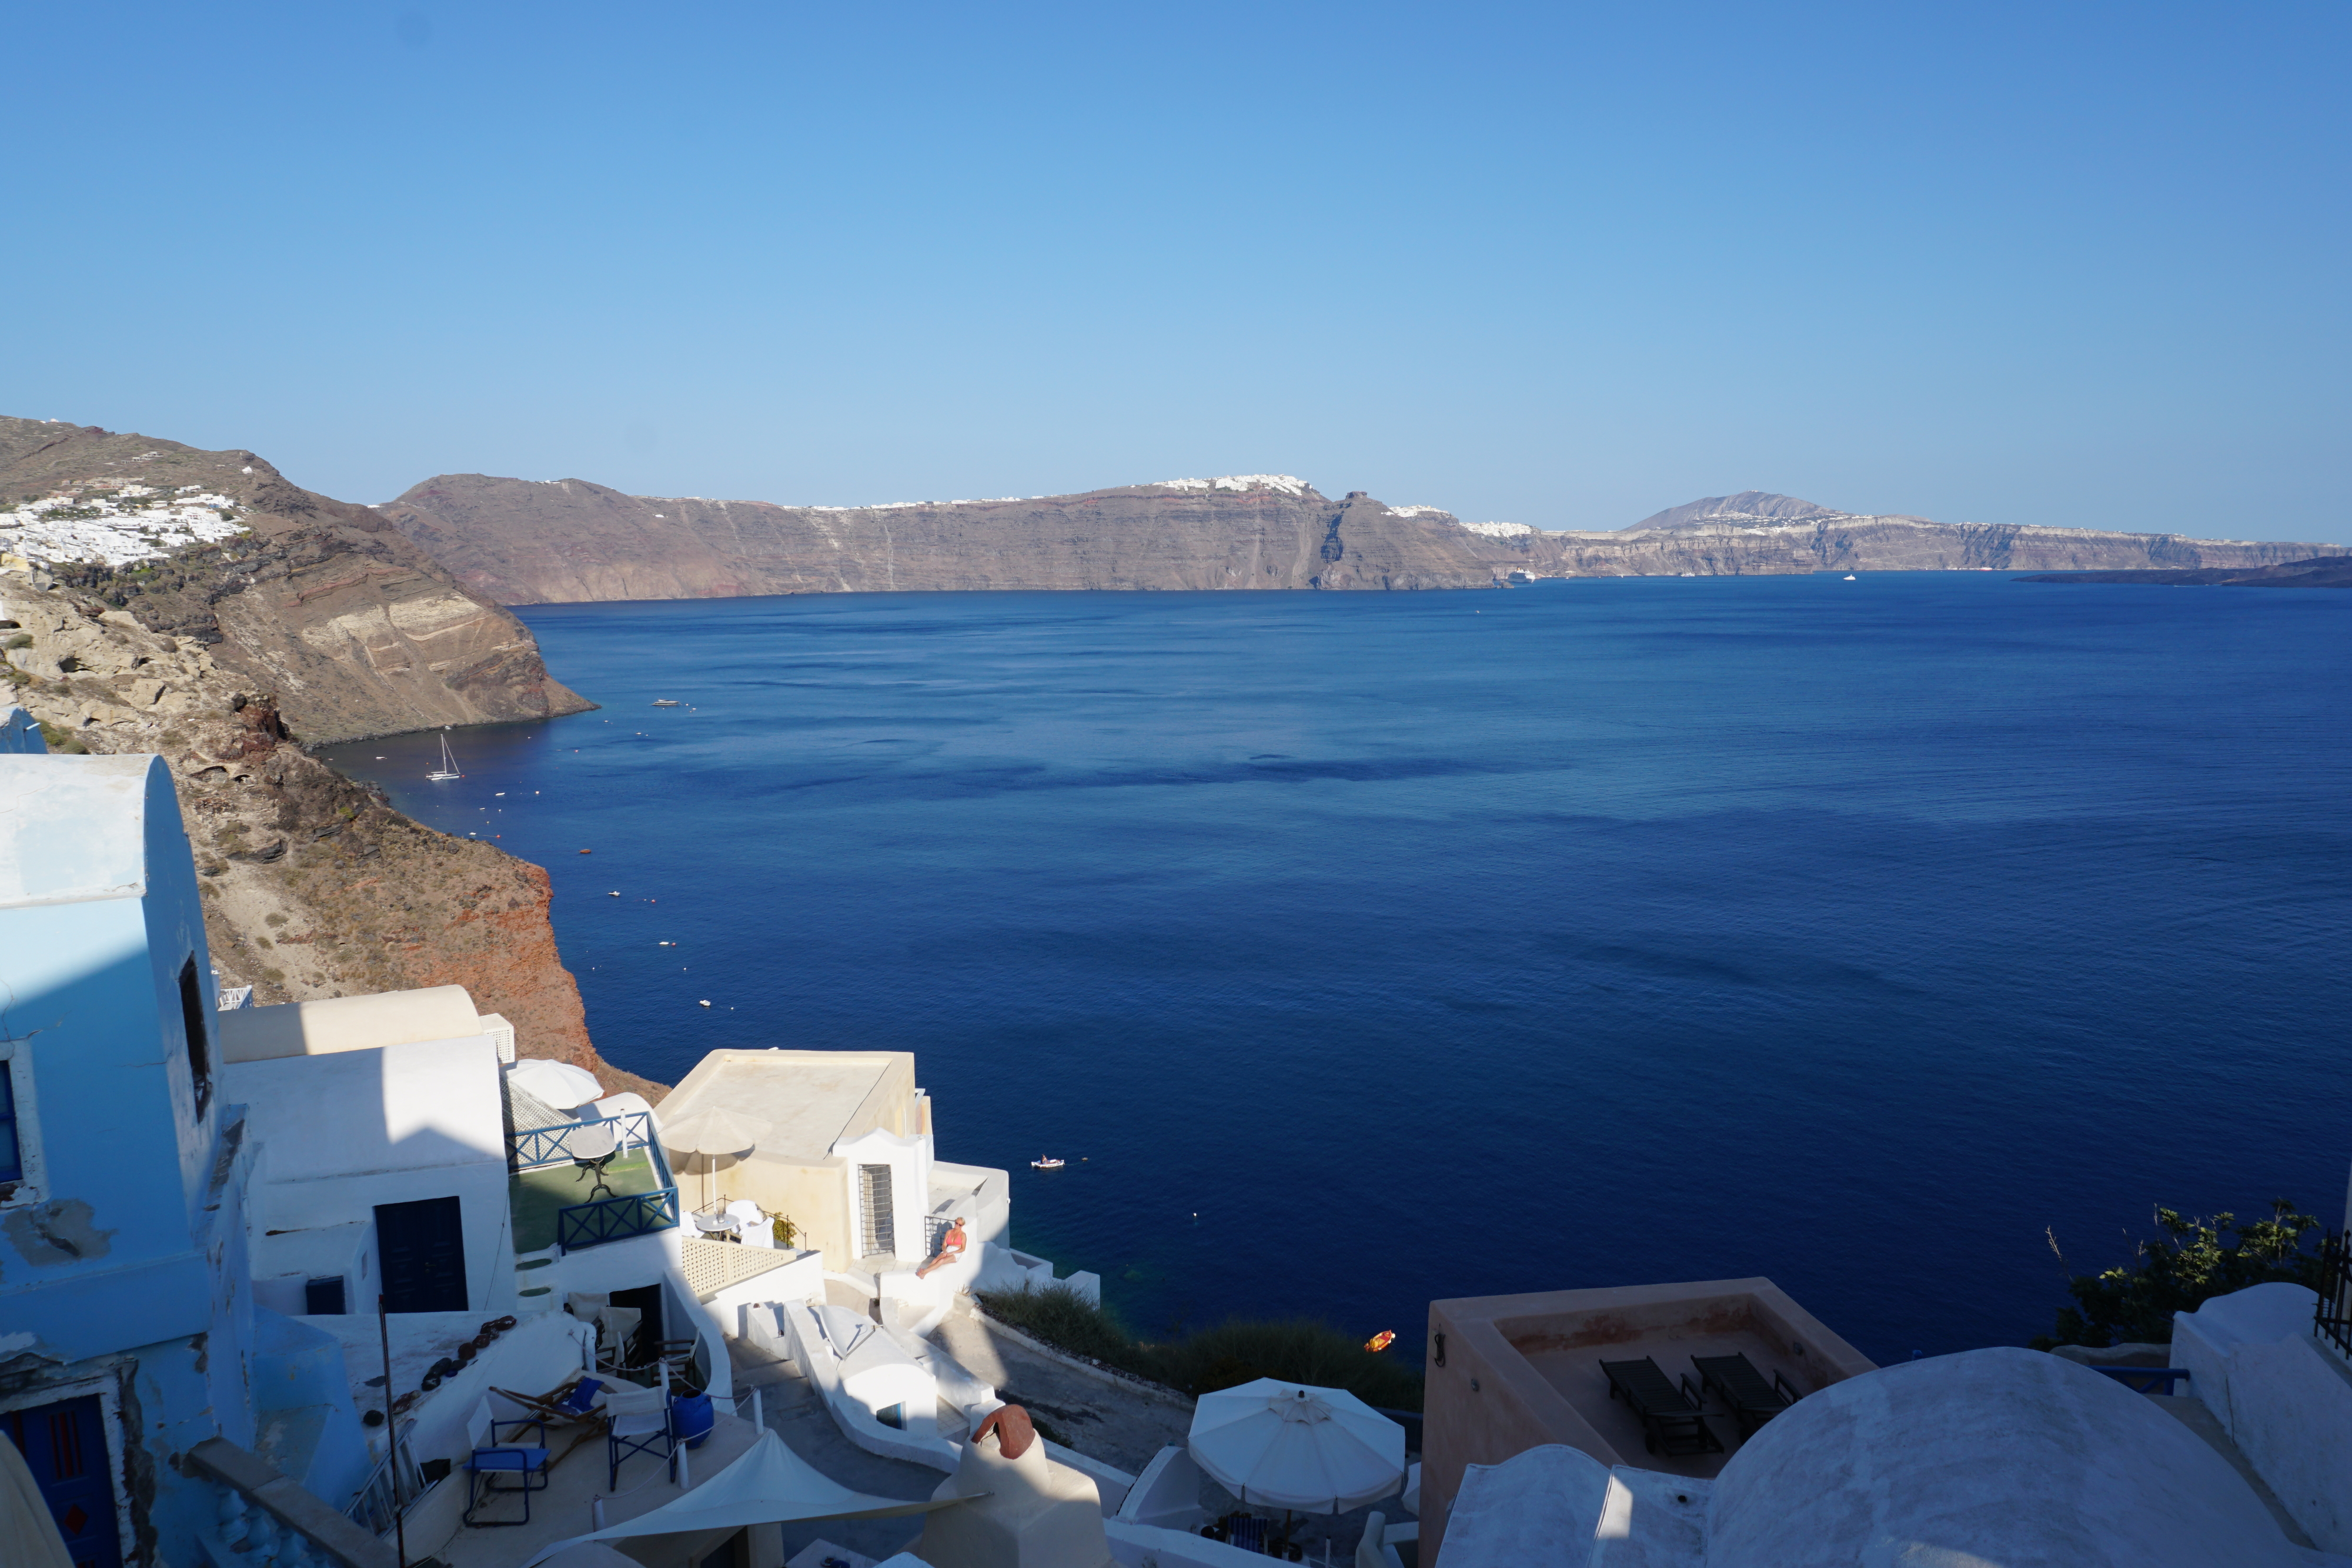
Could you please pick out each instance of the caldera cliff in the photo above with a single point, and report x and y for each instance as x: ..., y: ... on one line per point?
x: 519, y: 541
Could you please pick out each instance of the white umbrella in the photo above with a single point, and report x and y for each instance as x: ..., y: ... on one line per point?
x: 713, y: 1132
x: 556, y: 1083
x: 1278, y: 1445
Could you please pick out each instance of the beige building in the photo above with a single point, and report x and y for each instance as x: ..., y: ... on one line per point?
x: 847, y: 1156
x: 1508, y: 1374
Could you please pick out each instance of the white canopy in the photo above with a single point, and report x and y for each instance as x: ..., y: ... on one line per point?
x: 556, y: 1083
x: 768, y: 1485
x: 1277, y: 1444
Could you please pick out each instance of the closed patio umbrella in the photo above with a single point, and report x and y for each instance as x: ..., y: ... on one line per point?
x: 556, y: 1083
x: 713, y: 1132
x: 1280, y: 1445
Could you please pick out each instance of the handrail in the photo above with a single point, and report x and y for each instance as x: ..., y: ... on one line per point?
x: 538, y: 1146
x: 617, y: 1218
x: 2332, y: 1319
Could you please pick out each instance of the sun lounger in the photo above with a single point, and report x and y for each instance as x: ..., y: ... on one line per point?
x: 1671, y: 1423
x: 1752, y: 1399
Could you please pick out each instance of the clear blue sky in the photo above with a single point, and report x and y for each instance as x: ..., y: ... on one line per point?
x: 1557, y: 265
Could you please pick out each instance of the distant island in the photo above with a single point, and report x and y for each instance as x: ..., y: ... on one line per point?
x: 2324, y: 571
x: 518, y: 541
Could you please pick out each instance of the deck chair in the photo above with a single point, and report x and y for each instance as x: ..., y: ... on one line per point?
x: 1671, y: 1423
x: 1751, y: 1399
x: 641, y: 1425
x: 493, y: 1457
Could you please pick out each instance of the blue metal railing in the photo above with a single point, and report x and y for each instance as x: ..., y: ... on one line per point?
x: 555, y: 1145
x: 616, y: 1218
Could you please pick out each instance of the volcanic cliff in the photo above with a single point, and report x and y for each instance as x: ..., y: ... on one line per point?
x: 358, y: 631
x: 525, y: 542
x: 313, y: 886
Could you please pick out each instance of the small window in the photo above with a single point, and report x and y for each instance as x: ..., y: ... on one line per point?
x: 324, y: 1298
x: 12, y: 1148
x: 194, y: 1021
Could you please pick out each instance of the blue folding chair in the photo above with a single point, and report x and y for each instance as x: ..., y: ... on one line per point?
x: 492, y: 1459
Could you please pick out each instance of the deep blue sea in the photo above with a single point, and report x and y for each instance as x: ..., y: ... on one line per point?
x: 1358, y: 949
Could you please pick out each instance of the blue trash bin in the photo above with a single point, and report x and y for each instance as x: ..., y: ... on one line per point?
x: 692, y: 1418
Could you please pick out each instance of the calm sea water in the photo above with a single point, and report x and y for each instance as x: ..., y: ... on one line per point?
x: 1362, y: 949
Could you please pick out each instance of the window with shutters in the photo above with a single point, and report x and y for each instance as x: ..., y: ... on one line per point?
x: 874, y: 1211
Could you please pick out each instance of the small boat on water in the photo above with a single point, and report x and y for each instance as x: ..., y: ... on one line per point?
x: 1849, y: 577
x: 1049, y: 1164
x: 449, y: 768
x: 664, y: 702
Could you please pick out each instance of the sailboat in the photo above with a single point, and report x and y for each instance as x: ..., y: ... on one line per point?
x: 449, y: 768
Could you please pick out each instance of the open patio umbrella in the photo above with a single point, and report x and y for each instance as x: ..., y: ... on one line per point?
x: 1279, y: 1445
x: 556, y: 1083
x: 713, y: 1132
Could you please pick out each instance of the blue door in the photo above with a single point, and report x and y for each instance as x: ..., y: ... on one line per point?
x: 64, y: 1444
x: 422, y: 1247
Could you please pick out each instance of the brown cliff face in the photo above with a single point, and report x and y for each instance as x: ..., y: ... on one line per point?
x: 313, y: 885
x: 521, y: 542
x: 358, y: 631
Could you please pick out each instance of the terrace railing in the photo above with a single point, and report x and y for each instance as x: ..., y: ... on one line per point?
x: 617, y: 1218
x: 579, y: 1140
x: 2333, y: 1321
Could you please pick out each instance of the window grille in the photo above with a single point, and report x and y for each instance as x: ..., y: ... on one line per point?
x: 873, y: 1188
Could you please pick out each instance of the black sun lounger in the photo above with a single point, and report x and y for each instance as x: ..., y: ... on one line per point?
x: 1670, y: 1420
x: 1753, y: 1401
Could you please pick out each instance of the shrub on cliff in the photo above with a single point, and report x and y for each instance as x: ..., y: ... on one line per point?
x: 2182, y: 1271
x: 1236, y: 1351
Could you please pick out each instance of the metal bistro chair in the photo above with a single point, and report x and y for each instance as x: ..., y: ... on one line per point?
x: 641, y: 1425
x: 490, y: 1459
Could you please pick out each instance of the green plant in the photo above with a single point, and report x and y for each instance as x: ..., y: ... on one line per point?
x: 2190, y: 1266
x: 63, y: 740
x: 1235, y: 1351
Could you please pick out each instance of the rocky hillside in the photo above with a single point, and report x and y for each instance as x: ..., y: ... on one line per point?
x: 313, y: 886
x: 519, y: 541
x: 358, y: 631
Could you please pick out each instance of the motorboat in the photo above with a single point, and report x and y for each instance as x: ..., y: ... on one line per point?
x: 1849, y: 577
x: 664, y: 702
x: 1049, y: 1164
x: 449, y: 768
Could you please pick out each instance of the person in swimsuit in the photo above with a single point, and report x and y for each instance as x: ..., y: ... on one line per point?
x: 951, y: 1246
